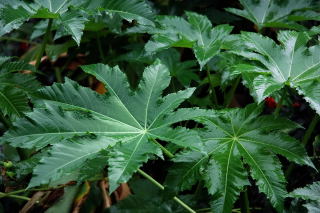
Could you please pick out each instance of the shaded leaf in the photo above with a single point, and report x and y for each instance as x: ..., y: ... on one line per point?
x: 196, y: 33
x: 272, y: 13
x: 233, y: 138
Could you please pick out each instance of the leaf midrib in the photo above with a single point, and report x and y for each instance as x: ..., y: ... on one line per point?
x: 9, y: 102
x: 270, y: 57
x: 266, y: 144
x: 227, y: 173
x: 67, y: 133
x: 129, y: 13
x: 132, y: 153
x: 115, y: 94
x: 92, y: 111
x: 148, y: 100
x: 264, y: 176
x: 76, y: 159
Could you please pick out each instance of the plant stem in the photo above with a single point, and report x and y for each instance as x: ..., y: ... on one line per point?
x: 245, y: 208
x: 184, y: 205
x: 310, y: 129
x: 213, y: 92
x: 231, y: 93
x: 14, y: 196
x: 165, y: 151
x: 17, y: 40
x: 100, y: 48
x: 17, y: 192
x: 305, y: 139
x: 204, y: 210
x: 44, y: 43
x: 58, y: 75
x: 277, y: 110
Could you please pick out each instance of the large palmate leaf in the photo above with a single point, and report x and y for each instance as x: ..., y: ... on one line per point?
x: 291, y: 64
x: 234, y: 138
x: 273, y: 13
x: 133, y: 118
x: 196, y: 33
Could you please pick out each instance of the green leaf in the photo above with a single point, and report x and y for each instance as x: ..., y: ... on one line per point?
x: 127, y: 157
x: 13, y: 102
x: 183, y: 71
x: 25, y: 167
x: 309, y: 192
x: 196, y: 33
x: 271, y: 13
x: 233, y: 138
x: 15, y: 87
x: 73, y: 24
x: 12, y: 17
x: 133, y: 118
x: 93, y: 168
x: 131, y: 10
x: 12, y: 66
x: 54, y: 50
x: 290, y: 63
x: 145, y: 198
x: 66, y: 157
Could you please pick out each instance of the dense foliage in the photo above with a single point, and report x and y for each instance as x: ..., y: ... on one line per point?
x: 159, y: 106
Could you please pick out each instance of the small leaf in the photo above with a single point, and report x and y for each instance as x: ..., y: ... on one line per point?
x: 196, y: 33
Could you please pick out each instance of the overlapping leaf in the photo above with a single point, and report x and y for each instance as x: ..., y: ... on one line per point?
x: 273, y: 13
x: 291, y: 64
x: 13, y: 101
x: 196, y: 33
x: 183, y: 71
x: 66, y: 157
x: 310, y: 193
x: 15, y: 87
x: 13, y: 16
x: 233, y: 138
x: 71, y: 15
x: 134, y: 118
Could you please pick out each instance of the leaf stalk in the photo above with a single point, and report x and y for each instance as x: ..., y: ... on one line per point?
x: 44, y: 43
x: 244, y: 202
x: 231, y: 93
x: 212, y: 90
x: 305, y: 139
x: 165, y: 151
x: 4, y: 38
x: 159, y: 185
x: 14, y: 196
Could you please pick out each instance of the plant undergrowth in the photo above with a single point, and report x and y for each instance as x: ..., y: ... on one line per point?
x: 159, y: 106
